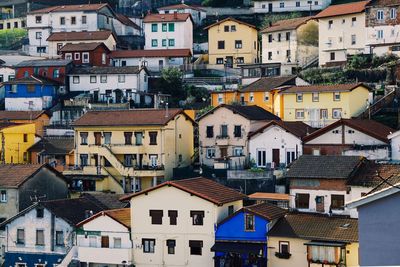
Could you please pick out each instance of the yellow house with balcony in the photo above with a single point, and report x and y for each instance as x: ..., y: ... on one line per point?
x: 232, y: 42
x: 130, y: 150
x: 15, y: 139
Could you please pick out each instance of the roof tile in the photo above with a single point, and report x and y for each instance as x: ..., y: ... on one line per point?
x: 343, y: 9
x: 79, y: 36
x: 287, y: 24
x: 179, y: 17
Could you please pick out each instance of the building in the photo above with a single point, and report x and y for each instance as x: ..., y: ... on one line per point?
x: 92, y: 54
x: 276, y: 144
x: 7, y: 73
x: 21, y: 185
x: 105, y: 238
x: 12, y: 23
x: 232, y: 42
x: 245, y: 245
x: 321, y: 105
x: 277, y: 199
x: 223, y: 135
x: 57, y: 40
x: 42, y: 23
x: 292, y: 42
x: 192, y: 208
x: 383, y: 28
x: 39, y: 118
x: 166, y: 31
x: 274, y: 6
x: 394, y: 138
x: 112, y: 84
x: 198, y: 14
x: 342, y: 32
x: 351, y: 137
x: 136, y: 149
x: 303, y: 240
x: 124, y: 26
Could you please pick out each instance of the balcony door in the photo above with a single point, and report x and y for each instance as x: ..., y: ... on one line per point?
x: 261, y: 157
x: 97, y: 138
x: 276, y: 157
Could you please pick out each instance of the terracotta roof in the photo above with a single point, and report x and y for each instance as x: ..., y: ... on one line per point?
x: 128, y: 117
x: 54, y: 145
x: 181, y: 6
x: 80, y: 36
x: 230, y: 19
x: 266, y: 210
x: 369, y: 127
x: 201, y: 187
x: 287, y: 24
x: 82, y: 47
x: 368, y: 174
x: 127, y: 21
x: 316, y: 227
x: 254, y: 113
x: 324, y: 167
x: 388, y: 183
x: 343, y: 9
x: 323, y: 88
x: 151, y: 53
x: 297, y: 128
x: 266, y: 84
x: 14, y: 175
x: 106, y: 200
x: 179, y: 17
x: 69, y: 8
x: 269, y: 196
x: 20, y: 115
x: 122, y: 216
x: 85, y: 70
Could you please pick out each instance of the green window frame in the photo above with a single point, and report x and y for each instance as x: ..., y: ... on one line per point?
x: 171, y: 42
x: 154, y: 43
x: 171, y: 27
x: 164, y: 27
x: 164, y: 42
x: 154, y: 27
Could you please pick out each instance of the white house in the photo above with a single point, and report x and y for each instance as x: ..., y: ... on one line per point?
x: 123, y: 25
x: 104, y: 238
x: 198, y: 14
x: 166, y: 31
x: 395, y: 145
x: 111, y: 84
x: 70, y: 18
x: 275, y: 6
x: 177, y: 221
x: 6, y: 73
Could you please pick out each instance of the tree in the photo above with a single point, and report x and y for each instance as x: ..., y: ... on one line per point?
x: 172, y: 85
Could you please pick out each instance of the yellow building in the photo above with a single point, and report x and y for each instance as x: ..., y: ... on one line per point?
x: 320, y: 105
x: 130, y: 150
x: 15, y: 139
x: 39, y: 118
x: 232, y: 42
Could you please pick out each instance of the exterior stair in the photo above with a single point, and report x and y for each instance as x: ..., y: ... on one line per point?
x: 106, y: 152
x: 378, y: 105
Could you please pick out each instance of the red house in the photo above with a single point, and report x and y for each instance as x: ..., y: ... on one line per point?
x: 93, y: 54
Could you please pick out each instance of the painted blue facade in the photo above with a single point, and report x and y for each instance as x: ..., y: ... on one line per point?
x: 30, y: 259
x: 41, y: 90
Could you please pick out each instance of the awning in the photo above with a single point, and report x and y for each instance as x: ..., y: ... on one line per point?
x: 237, y: 247
x: 325, y: 244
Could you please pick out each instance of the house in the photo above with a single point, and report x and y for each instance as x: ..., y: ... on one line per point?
x: 232, y: 42
x: 57, y: 151
x: 166, y: 31
x: 7, y: 73
x: 321, y: 105
x: 42, y: 23
x: 306, y: 239
x: 124, y: 26
x: 198, y: 14
x: 277, y: 199
x: 275, y: 144
x: 335, y: 43
x: 248, y: 244
x: 382, y: 22
x: 291, y: 42
x: 92, y: 54
x: 394, y: 138
x: 112, y: 84
x: 192, y: 208
x: 106, y: 200
x: 274, y: 6
x: 39, y: 118
x: 21, y: 185
x: 105, y: 238
x: 223, y: 133
x: 136, y: 149
x: 252, y: 72
x: 57, y: 40
x: 351, y: 137
x: 155, y: 60
x: 43, y: 233
x: 16, y: 140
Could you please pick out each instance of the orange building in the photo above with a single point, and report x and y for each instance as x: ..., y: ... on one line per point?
x: 39, y: 118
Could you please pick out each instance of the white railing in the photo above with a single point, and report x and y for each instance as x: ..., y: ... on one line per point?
x: 71, y: 255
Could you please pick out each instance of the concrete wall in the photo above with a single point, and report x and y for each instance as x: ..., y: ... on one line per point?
x: 289, y: 6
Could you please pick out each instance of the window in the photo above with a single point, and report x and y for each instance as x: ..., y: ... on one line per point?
x: 297, y: 4
x: 240, y: 60
x: 261, y: 158
x: 85, y: 57
x: 105, y: 241
x: 103, y: 78
x: 164, y: 27
x: 290, y: 156
x: 121, y: 78
x: 41, y: 49
x: 220, y: 99
x: 380, y: 15
x: 210, y: 153
x: 84, y: 138
x: 233, y: 28
x: 39, y: 213
x: 316, y: 3
x: 353, y: 21
x: 103, y: 58
x: 84, y: 19
x: 251, y: 97
x: 269, y: 55
x: 332, y: 56
x: 171, y: 42
x: 156, y: 216
x: 266, y: 96
x: 393, y: 13
x: 154, y: 27
x: 39, y: 237
x: 238, y: 44
x: 138, y: 138
x: 210, y: 131
x: 92, y: 241
x: 84, y: 159
x: 330, y: 24
x: 224, y: 131
x: 172, y: 214
x: 25, y: 138
x: 3, y: 196
x: 62, y: 20
x: 148, y: 245
x: 221, y: 44
x: 153, y: 138
x: 337, y: 202
x: 68, y: 56
x: 269, y: 38
x: 284, y: 247
x: 171, y: 246
x: 128, y: 138
x: 107, y: 138
x: 282, y: 4
x: 249, y: 222
x: 171, y: 27
x: 93, y: 79
x: 20, y: 236
x: 302, y: 201
x: 73, y: 20
x: 195, y: 247
x: 279, y: 37
x: 38, y: 19
x: 117, y: 242
x: 237, y: 132
x: 379, y: 34
x: 315, y: 97
x: 164, y: 42
x: 154, y: 42
x: 197, y: 217
x: 353, y: 39
x: 56, y: 73
x: 220, y: 60
x: 324, y: 114
x: 38, y: 35
x: 59, y: 238
x: 237, y: 151
x: 299, y: 97
x: 226, y: 28
x: 336, y: 96
x: 287, y: 36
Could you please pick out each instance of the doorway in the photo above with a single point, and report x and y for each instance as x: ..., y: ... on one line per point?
x: 275, y: 157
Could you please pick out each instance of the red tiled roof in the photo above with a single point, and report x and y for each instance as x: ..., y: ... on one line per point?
x: 297, y: 128
x: 151, y: 53
x: 201, y: 187
x: 79, y: 36
x: 13, y: 175
x: 122, y: 216
x: 69, y: 8
x: 372, y: 174
x: 167, y: 17
x: 287, y: 24
x: 181, y: 6
x: 324, y: 88
x: 82, y: 47
x: 230, y: 19
x: 20, y: 115
x: 343, y: 9
x: 269, y: 196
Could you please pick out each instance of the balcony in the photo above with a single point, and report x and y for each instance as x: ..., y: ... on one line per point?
x: 249, y: 174
x: 105, y: 255
x: 222, y: 140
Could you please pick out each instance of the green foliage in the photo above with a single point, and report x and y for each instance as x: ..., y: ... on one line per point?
x: 203, y: 111
x: 171, y: 81
x: 272, y: 18
x: 11, y: 37
x: 199, y: 94
x: 358, y: 62
x: 310, y: 35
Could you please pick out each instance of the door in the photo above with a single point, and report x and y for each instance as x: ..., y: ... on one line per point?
x: 105, y: 242
x: 160, y: 64
x: 224, y: 152
x: 320, y: 204
x: 96, y: 96
x: 97, y: 138
x: 118, y: 96
x: 229, y: 62
x: 275, y: 157
x: 270, y: 7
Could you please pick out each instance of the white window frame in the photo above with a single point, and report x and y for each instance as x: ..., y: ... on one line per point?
x: 75, y: 79
x: 103, y: 78
x: 263, y: 152
x: 299, y: 97
x: 266, y: 97
x: 77, y: 56
x: 238, y: 151
x: 220, y: 99
x: 120, y: 242
x: 336, y: 96
x: 3, y: 197
x: 121, y: 78
x: 251, y: 97
x: 380, y: 15
x: 299, y: 114
x: 210, y: 152
x: 68, y: 56
x: 335, y: 115
x: 83, y: 57
x: 393, y: 13
x: 379, y: 34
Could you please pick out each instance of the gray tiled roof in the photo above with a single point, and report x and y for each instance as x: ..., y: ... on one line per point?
x: 106, y: 70
x: 44, y: 63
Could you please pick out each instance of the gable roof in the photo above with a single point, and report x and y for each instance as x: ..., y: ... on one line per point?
x: 134, y: 117
x: 324, y: 88
x: 44, y: 63
x: 343, y: 9
x: 287, y: 24
x: 371, y: 174
x: 33, y: 80
x: 123, y: 216
x: 176, y: 17
x: 82, y: 47
x: 80, y: 36
x: 201, y: 187
x: 106, y: 200
x: 369, y: 127
x: 324, y: 167
x: 127, y: 21
x: 21, y: 115
x: 316, y: 227
x: 86, y: 70
x: 255, y: 113
x: 230, y: 19
x: 70, y: 8
x: 181, y: 6
x: 180, y: 52
x: 297, y: 128
x: 266, y: 84
x: 53, y: 145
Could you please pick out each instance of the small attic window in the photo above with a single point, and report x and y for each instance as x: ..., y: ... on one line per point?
x: 345, y: 226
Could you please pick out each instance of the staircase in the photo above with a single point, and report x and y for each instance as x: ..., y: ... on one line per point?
x: 106, y: 152
x: 70, y: 258
x: 378, y: 105
x: 114, y: 175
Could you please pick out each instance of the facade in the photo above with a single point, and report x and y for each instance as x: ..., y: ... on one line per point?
x: 395, y: 145
x: 342, y: 32
x: 92, y: 54
x: 232, y: 42
x: 39, y: 118
x: 12, y: 23
x: 124, y: 26
x: 321, y: 105
x: 178, y: 222
x: 351, y: 137
x: 198, y: 14
x: 168, y: 31
x: 273, y: 6
x: 6, y: 74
